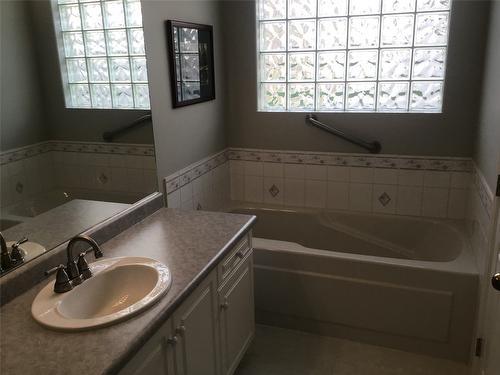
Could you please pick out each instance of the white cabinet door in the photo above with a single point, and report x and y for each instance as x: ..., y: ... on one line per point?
x: 237, y: 321
x: 195, y: 324
x: 155, y: 357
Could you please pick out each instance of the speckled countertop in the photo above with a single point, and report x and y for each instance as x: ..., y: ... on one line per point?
x: 191, y: 243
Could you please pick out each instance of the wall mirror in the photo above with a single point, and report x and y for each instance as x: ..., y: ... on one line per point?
x: 191, y: 62
x: 76, y: 134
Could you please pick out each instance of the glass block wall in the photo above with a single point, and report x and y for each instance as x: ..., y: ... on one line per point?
x: 352, y: 55
x: 103, y: 58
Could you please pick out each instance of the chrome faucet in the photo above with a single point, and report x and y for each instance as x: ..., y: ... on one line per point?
x: 76, y: 270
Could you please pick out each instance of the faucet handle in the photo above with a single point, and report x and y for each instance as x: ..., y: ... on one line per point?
x: 83, y: 266
x: 63, y: 283
x: 15, y: 253
x: 73, y: 272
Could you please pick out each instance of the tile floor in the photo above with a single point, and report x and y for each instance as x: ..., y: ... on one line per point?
x: 278, y: 351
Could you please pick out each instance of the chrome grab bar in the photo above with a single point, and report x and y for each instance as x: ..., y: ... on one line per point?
x: 109, y: 136
x: 374, y: 147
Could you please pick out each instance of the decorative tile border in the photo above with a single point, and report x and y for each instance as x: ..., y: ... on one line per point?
x: 104, y: 148
x: 486, y: 196
x: 183, y: 177
x: 21, y: 153
x: 10, y: 156
x: 179, y: 179
x: 353, y: 160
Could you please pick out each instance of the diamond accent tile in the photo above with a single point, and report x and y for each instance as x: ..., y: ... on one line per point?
x: 274, y: 191
x: 103, y: 179
x: 384, y: 199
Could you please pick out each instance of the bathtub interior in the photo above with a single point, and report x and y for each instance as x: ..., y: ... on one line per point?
x: 395, y: 281
x: 364, y: 234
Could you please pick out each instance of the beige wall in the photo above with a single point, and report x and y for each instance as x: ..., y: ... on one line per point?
x: 184, y: 135
x: 447, y: 134
x: 487, y: 154
x: 22, y: 119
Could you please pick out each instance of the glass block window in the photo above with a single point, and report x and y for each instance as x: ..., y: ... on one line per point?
x: 352, y: 55
x: 103, y: 60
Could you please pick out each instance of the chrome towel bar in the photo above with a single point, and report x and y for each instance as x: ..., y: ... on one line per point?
x: 141, y: 121
x: 374, y: 147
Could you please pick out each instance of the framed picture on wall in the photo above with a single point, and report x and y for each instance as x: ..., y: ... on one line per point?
x: 191, y: 59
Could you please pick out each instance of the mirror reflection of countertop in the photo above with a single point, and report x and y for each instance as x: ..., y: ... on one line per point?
x: 59, y: 224
x: 190, y: 243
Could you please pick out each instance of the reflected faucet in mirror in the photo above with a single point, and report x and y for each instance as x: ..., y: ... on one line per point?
x: 12, y: 259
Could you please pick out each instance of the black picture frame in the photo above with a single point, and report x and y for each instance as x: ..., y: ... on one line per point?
x: 186, y: 89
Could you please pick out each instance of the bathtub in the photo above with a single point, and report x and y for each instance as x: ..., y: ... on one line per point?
x: 395, y: 281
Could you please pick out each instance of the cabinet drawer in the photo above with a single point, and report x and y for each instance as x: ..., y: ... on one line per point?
x: 234, y: 258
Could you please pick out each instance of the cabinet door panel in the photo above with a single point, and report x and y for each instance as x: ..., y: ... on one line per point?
x: 155, y: 357
x: 195, y: 322
x: 237, y: 316
x: 155, y: 363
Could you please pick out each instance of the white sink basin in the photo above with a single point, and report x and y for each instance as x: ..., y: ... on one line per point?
x: 118, y: 289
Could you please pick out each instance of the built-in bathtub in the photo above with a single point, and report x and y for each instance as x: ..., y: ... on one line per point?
x: 396, y: 281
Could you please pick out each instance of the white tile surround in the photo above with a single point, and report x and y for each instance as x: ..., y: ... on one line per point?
x: 402, y: 185
x: 451, y: 188
x: 390, y: 184
x: 203, y: 185
x: 90, y: 167
x: 417, y: 186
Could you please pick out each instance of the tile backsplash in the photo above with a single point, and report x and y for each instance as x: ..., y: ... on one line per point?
x: 124, y: 169
x: 203, y: 185
x: 417, y: 186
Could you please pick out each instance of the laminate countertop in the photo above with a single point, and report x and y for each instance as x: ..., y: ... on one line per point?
x: 190, y: 243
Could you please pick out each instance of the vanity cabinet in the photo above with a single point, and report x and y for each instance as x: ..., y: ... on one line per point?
x: 156, y: 357
x: 236, y: 318
x: 195, y: 331
x: 210, y: 331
